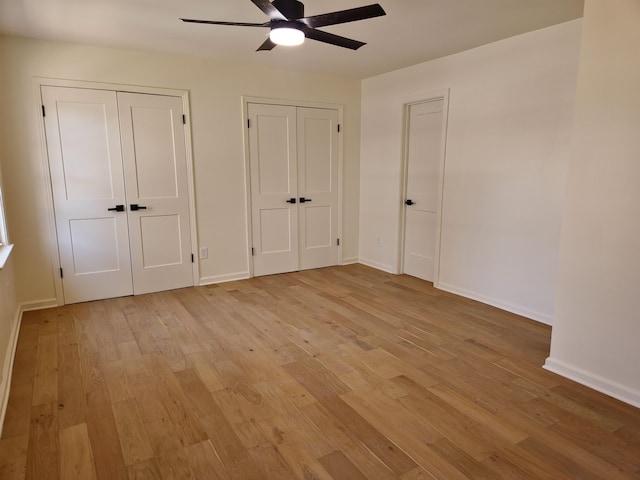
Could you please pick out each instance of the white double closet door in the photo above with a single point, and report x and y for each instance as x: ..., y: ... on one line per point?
x: 293, y: 153
x: 120, y: 191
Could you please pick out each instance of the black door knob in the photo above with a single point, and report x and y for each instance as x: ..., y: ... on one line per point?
x: 135, y: 206
x: 304, y: 200
x: 291, y: 200
x: 117, y: 208
x: 409, y: 202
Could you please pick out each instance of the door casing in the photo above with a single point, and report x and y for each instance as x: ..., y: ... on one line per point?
x: 246, y: 100
x: 415, y: 99
x: 39, y: 82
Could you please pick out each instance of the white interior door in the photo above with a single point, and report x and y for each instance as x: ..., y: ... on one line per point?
x: 424, y: 139
x: 119, y: 179
x: 83, y: 144
x: 155, y: 166
x: 274, y: 191
x: 317, y: 136
x: 293, y: 161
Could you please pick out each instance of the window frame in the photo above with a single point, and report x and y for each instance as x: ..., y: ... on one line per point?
x: 5, y: 246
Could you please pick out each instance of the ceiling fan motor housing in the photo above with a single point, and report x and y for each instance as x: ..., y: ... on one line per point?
x: 292, y: 9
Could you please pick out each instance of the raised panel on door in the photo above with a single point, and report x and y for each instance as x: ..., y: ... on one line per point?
x: 155, y: 165
x: 424, y: 138
x: 317, y: 136
x: 273, y: 172
x: 83, y: 146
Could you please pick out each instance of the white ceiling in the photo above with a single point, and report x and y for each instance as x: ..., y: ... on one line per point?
x: 413, y: 31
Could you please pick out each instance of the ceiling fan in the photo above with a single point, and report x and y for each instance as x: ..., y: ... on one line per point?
x: 289, y: 26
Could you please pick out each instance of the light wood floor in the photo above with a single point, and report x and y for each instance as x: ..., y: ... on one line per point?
x: 340, y: 373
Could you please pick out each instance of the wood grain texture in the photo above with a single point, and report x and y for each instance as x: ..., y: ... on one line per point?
x: 338, y: 373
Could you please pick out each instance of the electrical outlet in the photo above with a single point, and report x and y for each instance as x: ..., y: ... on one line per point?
x: 204, y: 253
x: 379, y: 241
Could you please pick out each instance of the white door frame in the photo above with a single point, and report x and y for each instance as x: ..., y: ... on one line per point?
x: 413, y: 100
x: 247, y: 170
x: 39, y: 82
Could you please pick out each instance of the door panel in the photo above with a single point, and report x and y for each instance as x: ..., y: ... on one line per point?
x: 273, y: 164
x: 423, y: 176
x: 155, y: 166
x: 318, y: 181
x: 293, y: 155
x: 83, y: 145
x: 94, y: 245
x: 166, y: 248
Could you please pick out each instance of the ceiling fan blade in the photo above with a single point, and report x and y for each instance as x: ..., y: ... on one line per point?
x: 330, y: 38
x: 344, y: 16
x: 269, y: 10
x: 235, y: 24
x: 267, y: 45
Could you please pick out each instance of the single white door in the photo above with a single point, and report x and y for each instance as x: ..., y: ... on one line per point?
x: 83, y: 144
x: 155, y: 167
x: 317, y: 137
x: 274, y: 191
x: 423, y: 150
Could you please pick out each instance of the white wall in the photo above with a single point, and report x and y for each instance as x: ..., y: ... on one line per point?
x: 8, y: 323
x: 217, y: 132
x: 506, y: 155
x: 8, y: 331
x: 596, y: 333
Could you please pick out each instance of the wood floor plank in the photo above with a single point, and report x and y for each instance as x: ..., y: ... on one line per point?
x: 103, y: 434
x: 45, y: 384
x: 144, y: 470
x: 134, y: 442
x: 13, y: 457
x: 204, y: 462
x: 271, y: 463
x: 18, y: 415
x: 76, y: 455
x: 71, y: 401
x: 43, y: 449
x: 343, y: 372
x: 340, y: 467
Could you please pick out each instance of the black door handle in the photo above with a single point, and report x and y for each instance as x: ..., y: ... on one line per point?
x: 117, y: 208
x: 304, y: 200
x: 135, y: 206
x: 409, y: 202
x: 291, y: 200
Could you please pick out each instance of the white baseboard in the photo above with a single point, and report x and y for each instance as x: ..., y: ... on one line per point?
x: 376, y: 265
x: 38, y: 305
x: 224, y: 278
x: 7, y: 369
x: 591, y: 380
x: 349, y: 261
x: 518, y: 310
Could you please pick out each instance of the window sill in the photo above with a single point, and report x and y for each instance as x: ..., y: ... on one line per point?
x: 5, y: 250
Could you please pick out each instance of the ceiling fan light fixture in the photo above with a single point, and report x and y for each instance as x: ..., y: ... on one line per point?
x: 286, y: 35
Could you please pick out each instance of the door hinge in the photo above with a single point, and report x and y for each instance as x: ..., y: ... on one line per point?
x: 338, y: 242
x: 253, y: 252
x: 192, y: 258
x: 61, y: 274
x: 248, y: 123
x: 43, y: 111
x: 184, y: 119
x: 338, y: 128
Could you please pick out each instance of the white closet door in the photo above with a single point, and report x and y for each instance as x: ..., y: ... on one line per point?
x: 273, y: 164
x: 424, y: 139
x: 155, y: 166
x: 317, y: 137
x: 83, y: 143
